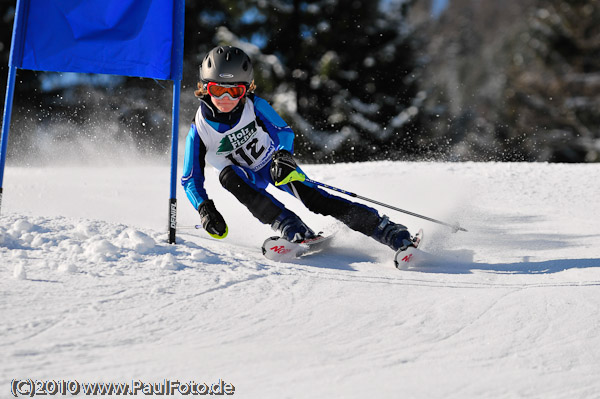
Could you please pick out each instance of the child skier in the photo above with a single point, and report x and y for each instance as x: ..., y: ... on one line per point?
x: 240, y: 135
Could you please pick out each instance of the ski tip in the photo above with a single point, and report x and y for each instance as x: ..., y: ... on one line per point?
x: 406, y: 258
x: 279, y: 249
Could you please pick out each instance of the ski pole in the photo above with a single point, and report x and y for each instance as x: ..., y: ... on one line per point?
x: 197, y: 226
x: 454, y: 227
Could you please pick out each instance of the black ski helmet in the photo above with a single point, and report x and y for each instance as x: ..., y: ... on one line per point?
x: 226, y: 64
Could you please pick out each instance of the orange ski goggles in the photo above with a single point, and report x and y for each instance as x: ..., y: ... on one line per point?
x: 219, y: 91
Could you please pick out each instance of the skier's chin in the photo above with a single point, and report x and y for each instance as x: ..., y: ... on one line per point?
x: 225, y: 105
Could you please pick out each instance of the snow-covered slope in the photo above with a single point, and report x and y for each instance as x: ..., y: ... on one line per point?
x: 91, y: 291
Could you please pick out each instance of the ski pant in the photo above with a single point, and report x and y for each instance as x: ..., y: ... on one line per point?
x: 250, y: 189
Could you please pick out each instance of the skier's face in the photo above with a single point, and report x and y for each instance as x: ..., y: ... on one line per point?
x: 225, y: 104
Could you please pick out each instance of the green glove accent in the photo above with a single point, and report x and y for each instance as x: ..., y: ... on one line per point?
x: 294, y: 176
x: 220, y: 237
x: 212, y: 221
x: 284, y: 168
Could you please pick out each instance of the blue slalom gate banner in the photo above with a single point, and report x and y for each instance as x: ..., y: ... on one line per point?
x: 142, y: 38
x: 120, y: 37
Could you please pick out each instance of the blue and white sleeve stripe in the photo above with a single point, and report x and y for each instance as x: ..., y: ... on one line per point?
x: 193, y: 168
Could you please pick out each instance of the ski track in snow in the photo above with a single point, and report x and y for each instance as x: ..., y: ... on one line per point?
x: 91, y: 291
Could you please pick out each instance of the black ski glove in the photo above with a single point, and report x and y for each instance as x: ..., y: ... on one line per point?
x: 212, y: 221
x: 284, y: 168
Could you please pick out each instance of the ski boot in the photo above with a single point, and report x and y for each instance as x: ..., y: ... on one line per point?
x: 395, y: 236
x: 291, y: 227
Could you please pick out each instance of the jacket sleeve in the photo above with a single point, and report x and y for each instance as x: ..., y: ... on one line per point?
x: 278, y: 129
x: 193, y: 168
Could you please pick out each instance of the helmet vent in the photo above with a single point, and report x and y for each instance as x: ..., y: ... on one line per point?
x: 245, y: 65
x: 220, y: 50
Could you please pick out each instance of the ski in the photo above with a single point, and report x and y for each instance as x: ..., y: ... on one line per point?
x: 279, y: 249
x: 411, y: 256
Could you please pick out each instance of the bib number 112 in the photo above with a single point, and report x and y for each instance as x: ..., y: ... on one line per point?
x: 250, y: 153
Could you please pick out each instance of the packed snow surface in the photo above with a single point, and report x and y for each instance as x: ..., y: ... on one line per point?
x: 91, y: 291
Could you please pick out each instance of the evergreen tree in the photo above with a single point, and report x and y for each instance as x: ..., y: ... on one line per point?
x: 553, y: 91
x: 468, y: 49
x: 354, y: 80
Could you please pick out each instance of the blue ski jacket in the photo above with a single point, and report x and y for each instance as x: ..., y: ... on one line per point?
x: 195, y: 150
